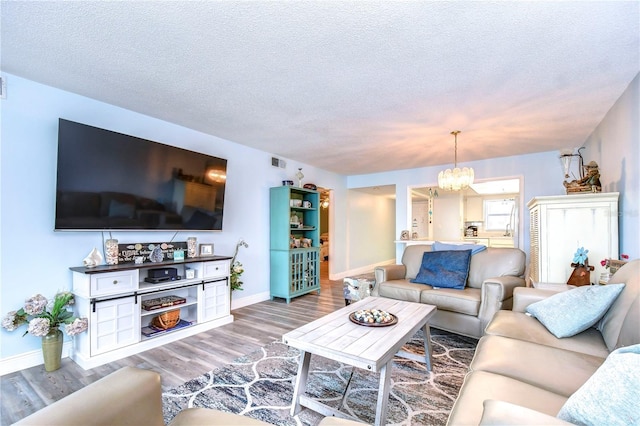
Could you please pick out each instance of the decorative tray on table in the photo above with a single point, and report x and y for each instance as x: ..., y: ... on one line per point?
x: 373, y: 318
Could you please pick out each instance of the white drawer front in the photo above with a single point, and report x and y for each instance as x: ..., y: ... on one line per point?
x: 216, y: 269
x: 114, y: 282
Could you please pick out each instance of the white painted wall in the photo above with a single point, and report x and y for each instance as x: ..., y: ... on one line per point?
x: 370, y: 232
x: 35, y: 259
x: 615, y: 146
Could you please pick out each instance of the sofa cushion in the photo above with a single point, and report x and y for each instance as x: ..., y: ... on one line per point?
x: 570, y: 312
x: 611, y: 395
x: 517, y: 325
x: 521, y: 360
x: 495, y: 262
x: 444, y: 269
x: 500, y: 413
x: 400, y: 290
x: 465, y: 301
x: 480, y: 386
x: 412, y: 258
x: 619, y: 326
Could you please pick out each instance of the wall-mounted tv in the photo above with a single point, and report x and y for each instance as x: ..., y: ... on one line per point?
x: 111, y: 181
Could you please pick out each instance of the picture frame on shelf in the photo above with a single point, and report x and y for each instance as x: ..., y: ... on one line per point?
x: 206, y: 249
x: 615, y: 264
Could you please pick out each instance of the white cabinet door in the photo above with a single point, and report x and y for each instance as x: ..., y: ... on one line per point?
x: 213, y: 300
x: 447, y: 219
x: 474, y: 211
x: 562, y: 224
x: 114, y: 324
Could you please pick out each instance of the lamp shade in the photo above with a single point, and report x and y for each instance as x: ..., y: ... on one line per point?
x: 456, y: 179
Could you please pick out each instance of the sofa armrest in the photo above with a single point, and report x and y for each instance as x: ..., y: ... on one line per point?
x: 507, y: 284
x: 523, y: 297
x: 129, y: 396
x: 388, y: 273
x: 494, y: 293
x: 501, y: 413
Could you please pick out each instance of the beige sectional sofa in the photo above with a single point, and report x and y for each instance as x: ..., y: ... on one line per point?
x: 523, y: 374
x: 133, y: 396
x: 493, y: 274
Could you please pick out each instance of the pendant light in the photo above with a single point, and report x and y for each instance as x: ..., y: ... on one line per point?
x: 456, y: 179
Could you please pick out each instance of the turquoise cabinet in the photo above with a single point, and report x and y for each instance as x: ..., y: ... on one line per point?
x: 295, y: 241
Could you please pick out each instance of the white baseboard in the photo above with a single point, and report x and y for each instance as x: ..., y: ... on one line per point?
x: 240, y: 302
x: 28, y: 359
x: 359, y: 271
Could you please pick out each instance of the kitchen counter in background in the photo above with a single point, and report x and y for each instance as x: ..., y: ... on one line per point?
x: 487, y: 241
x: 492, y: 241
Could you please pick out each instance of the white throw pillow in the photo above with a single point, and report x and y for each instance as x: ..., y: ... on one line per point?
x: 570, y: 312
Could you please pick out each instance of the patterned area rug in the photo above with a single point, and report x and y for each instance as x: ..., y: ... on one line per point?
x: 260, y: 385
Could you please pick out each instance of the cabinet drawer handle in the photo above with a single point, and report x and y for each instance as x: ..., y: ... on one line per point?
x: 115, y: 282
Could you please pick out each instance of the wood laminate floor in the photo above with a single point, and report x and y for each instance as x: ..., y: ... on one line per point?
x: 26, y: 391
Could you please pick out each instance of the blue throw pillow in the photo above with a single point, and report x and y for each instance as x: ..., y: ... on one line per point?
x: 475, y: 248
x: 571, y: 312
x: 445, y: 269
x: 611, y: 395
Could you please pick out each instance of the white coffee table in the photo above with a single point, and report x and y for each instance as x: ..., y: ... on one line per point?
x: 336, y: 337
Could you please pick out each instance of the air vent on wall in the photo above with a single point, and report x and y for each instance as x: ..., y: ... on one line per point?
x: 277, y: 162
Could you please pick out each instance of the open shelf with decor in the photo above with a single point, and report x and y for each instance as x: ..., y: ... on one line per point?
x: 294, y: 241
x: 135, y: 307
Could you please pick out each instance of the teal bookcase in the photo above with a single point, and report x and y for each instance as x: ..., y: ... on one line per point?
x: 294, y: 241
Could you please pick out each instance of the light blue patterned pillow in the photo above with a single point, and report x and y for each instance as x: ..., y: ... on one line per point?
x: 571, y: 312
x: 475, y: 248
x: 611, y: 396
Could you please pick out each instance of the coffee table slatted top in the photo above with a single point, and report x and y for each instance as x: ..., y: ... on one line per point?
x: 336, y: 337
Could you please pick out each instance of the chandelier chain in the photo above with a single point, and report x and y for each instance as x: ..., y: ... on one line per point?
x: 455, y: 148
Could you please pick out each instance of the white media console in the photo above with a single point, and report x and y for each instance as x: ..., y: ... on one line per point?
x: 113, y: 299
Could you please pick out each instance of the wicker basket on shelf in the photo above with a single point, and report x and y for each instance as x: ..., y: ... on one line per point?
x: 166, y: 320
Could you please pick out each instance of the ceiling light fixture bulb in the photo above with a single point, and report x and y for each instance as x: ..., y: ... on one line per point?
x: 456, y: 179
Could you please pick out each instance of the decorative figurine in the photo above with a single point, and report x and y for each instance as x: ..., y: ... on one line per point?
x: 156, y: 255
x: 299, y: 176
x: 589, y: 183
x: 93, y: 259
x: 581, y: 274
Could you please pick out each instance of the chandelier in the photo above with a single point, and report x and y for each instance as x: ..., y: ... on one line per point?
x: 456, y: 179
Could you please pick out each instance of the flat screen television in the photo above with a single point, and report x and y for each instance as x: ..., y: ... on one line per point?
x: 111, y: 181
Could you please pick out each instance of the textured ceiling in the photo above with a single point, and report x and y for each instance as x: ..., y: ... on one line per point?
x: 351, y: 87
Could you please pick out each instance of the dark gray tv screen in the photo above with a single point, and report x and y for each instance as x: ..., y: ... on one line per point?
x: 111, y: 181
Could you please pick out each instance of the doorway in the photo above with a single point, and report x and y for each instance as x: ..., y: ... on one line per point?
x: 325, y: 238
x: 443, y: 215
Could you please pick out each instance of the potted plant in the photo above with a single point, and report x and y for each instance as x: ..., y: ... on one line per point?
x: 236, y: 268
x: 44, y: 319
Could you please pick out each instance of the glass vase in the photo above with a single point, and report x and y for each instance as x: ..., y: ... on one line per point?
x: 52, y: 349
x: 111, y: 251
x: 192, y: 243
